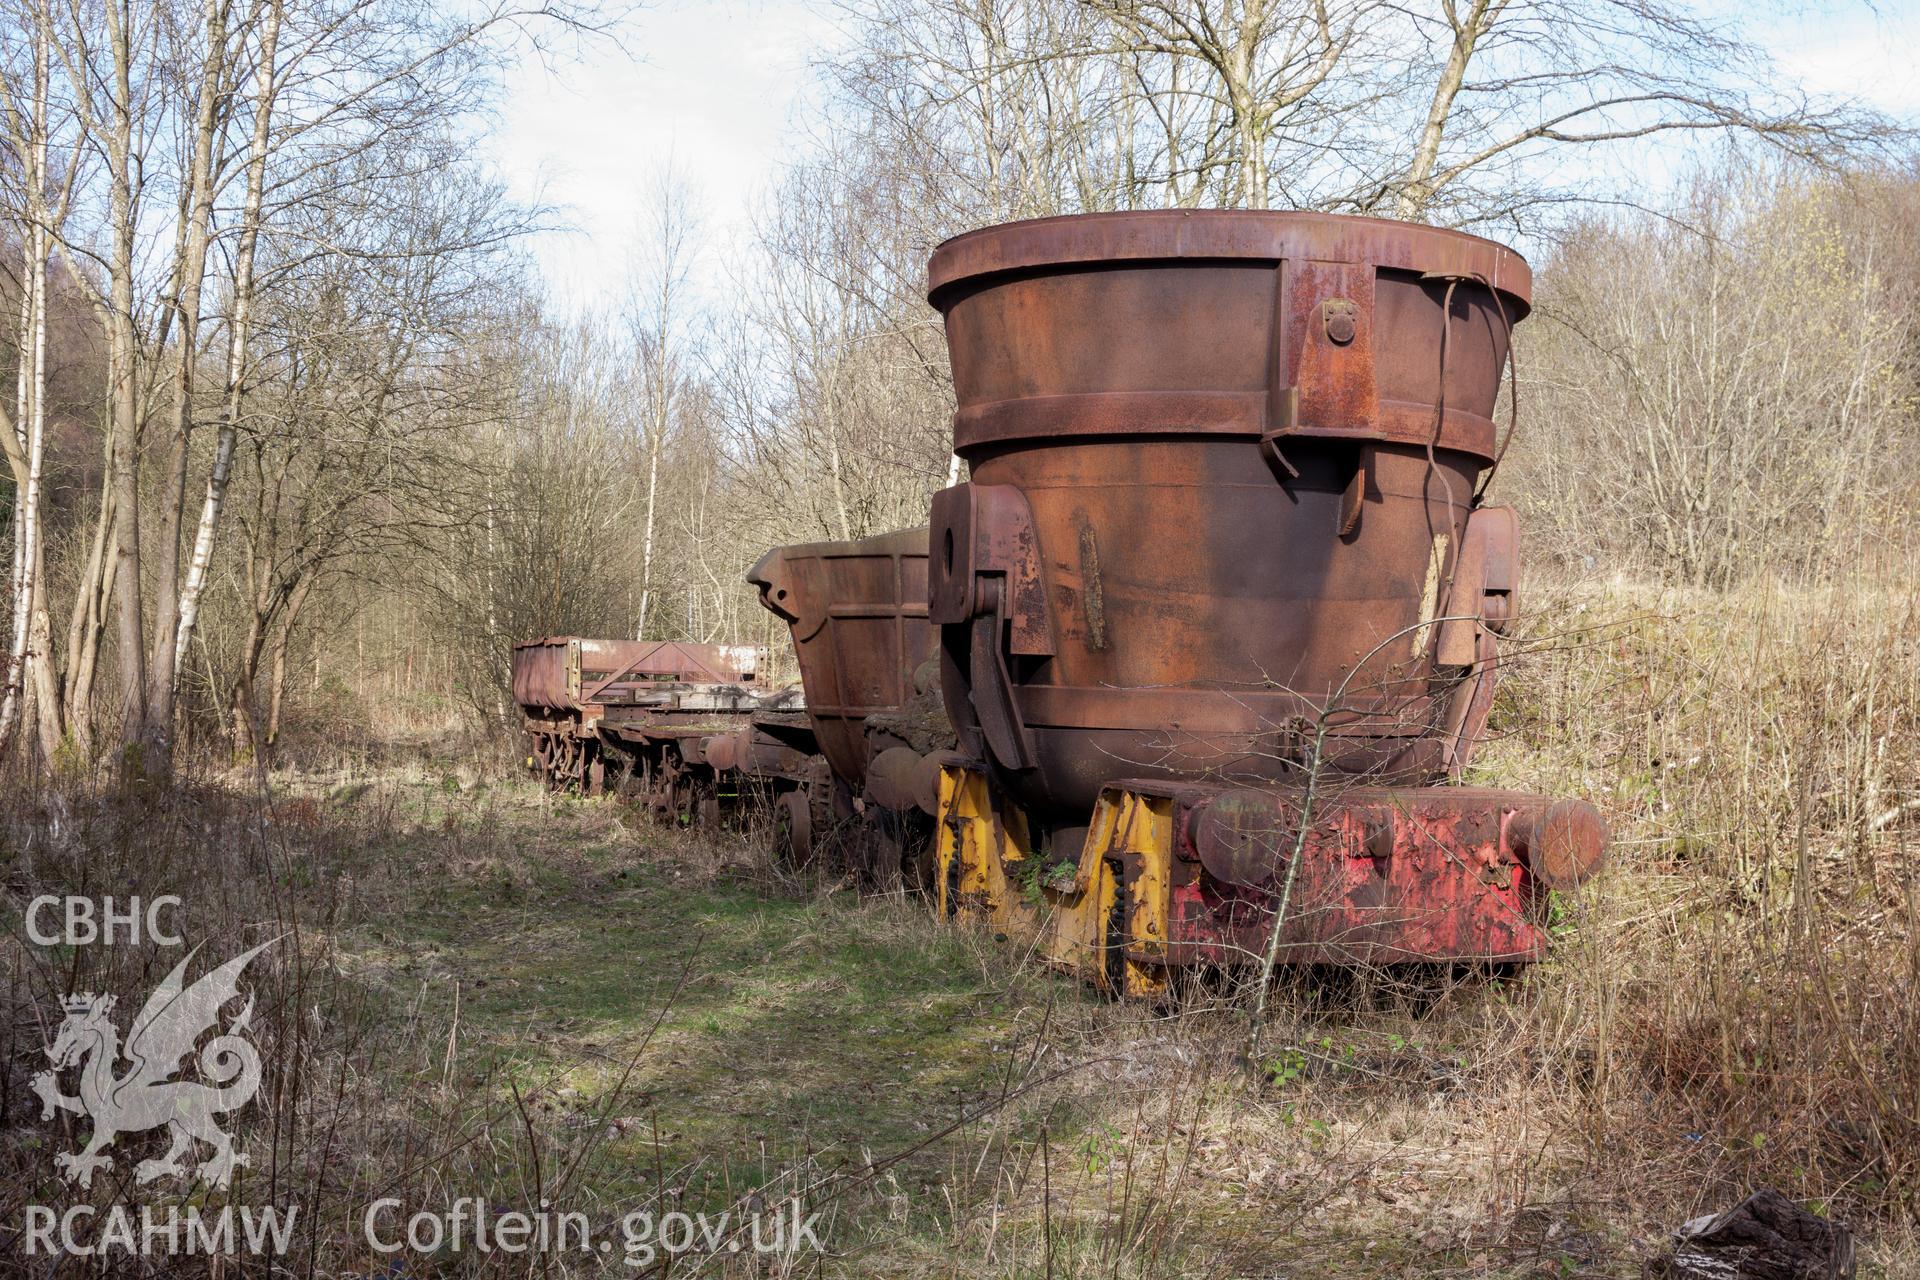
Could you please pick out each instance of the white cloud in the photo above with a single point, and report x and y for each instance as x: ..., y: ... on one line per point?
x: 713, y: 86
x: 1854, y: 51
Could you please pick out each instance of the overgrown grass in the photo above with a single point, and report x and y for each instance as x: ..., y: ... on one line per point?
x: 1737, y: 1002
x: 483, y: 990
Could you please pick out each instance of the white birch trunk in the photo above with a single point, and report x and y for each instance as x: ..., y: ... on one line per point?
x: 189, y: 277
x: 27, y: 433
x: 38, y: 671
x: 237, y: 330
x: 9, y: 702
x: 20, y: 585
x: 646, y: 544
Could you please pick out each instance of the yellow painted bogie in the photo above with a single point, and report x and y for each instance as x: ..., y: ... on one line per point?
x: 988, y: 874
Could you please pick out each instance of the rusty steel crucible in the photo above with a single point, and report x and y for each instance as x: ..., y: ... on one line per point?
x: 1223, y: 495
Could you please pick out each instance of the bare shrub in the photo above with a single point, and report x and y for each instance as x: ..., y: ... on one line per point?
x: 1725, y: 391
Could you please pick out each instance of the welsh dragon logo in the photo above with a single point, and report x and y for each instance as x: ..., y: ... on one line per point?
x: 146, y: 1096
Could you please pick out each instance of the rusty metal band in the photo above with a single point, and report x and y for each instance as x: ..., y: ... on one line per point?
x: 880, y: 609
x: 1207, y: 711
x: 856, y: 711
x: 1188, y: 234
x: 1204, y: 413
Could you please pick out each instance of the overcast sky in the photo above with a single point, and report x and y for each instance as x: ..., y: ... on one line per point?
x: 715, y: 88
x: 718, y: 88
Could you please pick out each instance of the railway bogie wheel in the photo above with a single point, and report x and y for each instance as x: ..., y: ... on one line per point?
x: 793, y: 819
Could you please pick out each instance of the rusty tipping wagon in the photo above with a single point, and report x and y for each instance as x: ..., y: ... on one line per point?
x: 682, y: 729
x: 857, y: 615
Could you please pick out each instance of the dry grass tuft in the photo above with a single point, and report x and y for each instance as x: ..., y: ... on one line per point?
x: 1735, y: 1002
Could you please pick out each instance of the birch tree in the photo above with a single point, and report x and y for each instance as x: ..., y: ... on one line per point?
x: 182, y: 314
x: 311, y: 88
x: 29, y: 672
x: 239, y: 329
x: 658, y: 320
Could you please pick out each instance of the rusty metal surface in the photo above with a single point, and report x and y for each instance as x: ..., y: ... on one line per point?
x: 857, y: 614
x: 792, y: 729
x: 1226, y: 459
x: 1101, y: 238
x: 573, y: 672
x: 752, y: 752
x: 902, y: 778
x: 1562, y: 844
x: 793, y: 829
x: 667, y: 724
x: 1481, y: 598
x: 1385, y: 874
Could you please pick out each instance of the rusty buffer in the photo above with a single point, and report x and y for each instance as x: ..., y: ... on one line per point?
x: 1224, y: 476
x: 857, y: 614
